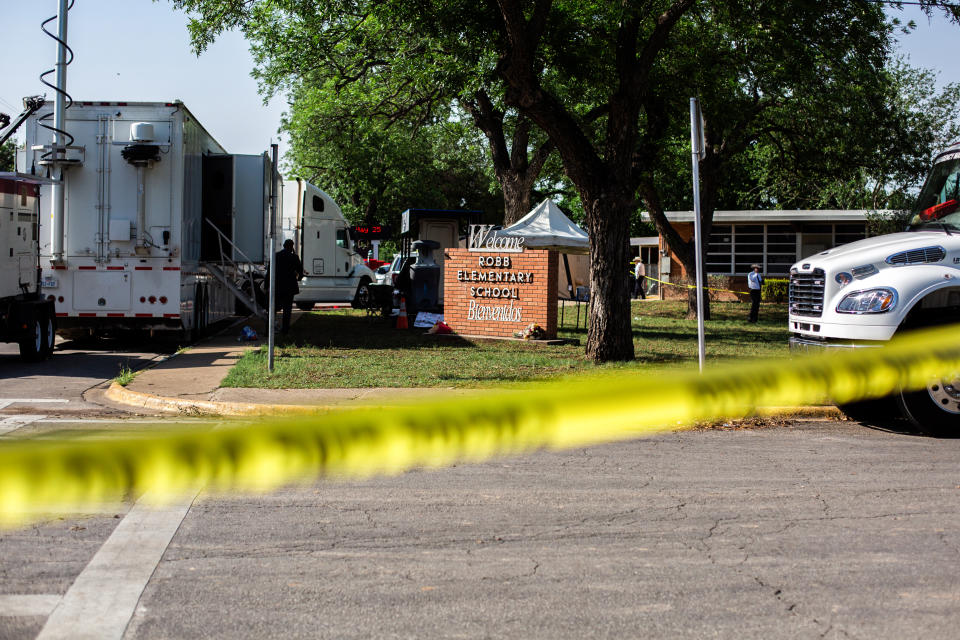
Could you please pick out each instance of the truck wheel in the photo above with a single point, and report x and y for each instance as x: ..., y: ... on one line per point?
x: 31, y: 347
x: 934, y: 410
x: 363, y: 297
x: 49, y: 326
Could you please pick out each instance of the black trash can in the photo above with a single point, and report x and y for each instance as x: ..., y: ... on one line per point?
x: 425, y: 276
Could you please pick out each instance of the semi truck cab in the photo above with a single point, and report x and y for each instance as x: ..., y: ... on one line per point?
x: 334, y: 270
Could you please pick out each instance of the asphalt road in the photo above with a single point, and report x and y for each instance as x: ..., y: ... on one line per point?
x: 805, y: 530
x: 75, y: 367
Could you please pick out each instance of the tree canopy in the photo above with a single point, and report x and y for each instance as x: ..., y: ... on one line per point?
x: 7, y: 155
x: 791, y: 89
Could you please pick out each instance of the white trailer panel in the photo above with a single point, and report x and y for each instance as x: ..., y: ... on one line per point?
x: 137, y: 245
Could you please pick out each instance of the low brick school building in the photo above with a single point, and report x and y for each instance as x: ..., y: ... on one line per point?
x: 773, y: 239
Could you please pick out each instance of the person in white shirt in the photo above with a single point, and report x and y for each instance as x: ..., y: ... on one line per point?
x: 754, y: 283
x: 640, y: 274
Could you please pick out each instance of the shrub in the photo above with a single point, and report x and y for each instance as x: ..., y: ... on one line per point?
x: 774, y: 290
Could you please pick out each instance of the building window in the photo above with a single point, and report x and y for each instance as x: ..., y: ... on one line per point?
x: 781, y: 248
x: 775, y: 247
x: 720, y: 249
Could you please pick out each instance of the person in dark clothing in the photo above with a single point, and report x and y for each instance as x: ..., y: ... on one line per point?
x: 289, y: 271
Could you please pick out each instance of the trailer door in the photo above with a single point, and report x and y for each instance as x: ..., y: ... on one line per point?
x: 217, y: 205
x: 251, y: 204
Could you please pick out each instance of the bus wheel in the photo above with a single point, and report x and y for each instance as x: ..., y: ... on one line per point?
x: 935, y: 409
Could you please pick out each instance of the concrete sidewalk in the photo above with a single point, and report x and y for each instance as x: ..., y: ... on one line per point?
x: 188, y: 382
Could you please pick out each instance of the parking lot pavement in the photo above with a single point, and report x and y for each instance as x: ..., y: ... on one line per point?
x: 805, y: 529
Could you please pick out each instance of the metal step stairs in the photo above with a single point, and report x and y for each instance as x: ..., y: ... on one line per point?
x: 219, y: 271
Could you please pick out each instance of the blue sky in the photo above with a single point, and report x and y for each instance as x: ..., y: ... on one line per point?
x: 138, y: 50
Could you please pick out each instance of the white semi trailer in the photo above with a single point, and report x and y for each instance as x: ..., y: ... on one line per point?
x: 334, y: 270
x: 159, y: 226
x: 26, y: 317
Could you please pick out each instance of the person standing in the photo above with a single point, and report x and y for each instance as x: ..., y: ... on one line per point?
x: 639, y: 275
x: 754, y: 283
x: 289, y: 271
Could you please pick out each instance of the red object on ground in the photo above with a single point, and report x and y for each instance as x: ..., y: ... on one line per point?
x: 402, y: 316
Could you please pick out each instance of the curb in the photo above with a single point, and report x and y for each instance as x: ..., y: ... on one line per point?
x: 141, y: 400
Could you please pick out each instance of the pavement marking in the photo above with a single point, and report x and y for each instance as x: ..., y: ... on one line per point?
x: 104, y: 596
x: 6, y: 402
x: 12, y: 606
x: 12, y: 423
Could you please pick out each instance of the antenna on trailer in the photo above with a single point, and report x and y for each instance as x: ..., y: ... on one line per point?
x: 54, y: 156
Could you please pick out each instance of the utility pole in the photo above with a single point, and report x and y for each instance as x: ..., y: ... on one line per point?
x: 272, y: 304
x: 697, y: 145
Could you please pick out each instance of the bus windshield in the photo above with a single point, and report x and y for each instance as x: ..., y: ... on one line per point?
x: 938, y: 206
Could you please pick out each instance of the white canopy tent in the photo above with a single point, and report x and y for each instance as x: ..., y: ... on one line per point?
x: 547, y: 227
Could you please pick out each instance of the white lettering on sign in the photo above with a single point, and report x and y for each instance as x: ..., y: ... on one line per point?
x: 494, y: 261
x: 523, y: 277
x: 494, y: 292
x: 504, y: 313
x: 484, y: 238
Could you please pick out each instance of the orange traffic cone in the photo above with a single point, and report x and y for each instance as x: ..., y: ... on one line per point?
x: 402, y: 316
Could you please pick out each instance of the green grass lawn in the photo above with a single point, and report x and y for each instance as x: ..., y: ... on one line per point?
x: 346, y: 349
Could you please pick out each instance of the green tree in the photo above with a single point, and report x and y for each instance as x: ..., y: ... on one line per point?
x: 805, y: 111
x: 798, y: 79
x: 376, y: 168
x: 605, y: 81
x: 7, y: 153
x: 395, y: 70
x: 879, y: 166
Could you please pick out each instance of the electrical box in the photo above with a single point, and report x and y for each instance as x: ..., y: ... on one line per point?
x: 121, y: 230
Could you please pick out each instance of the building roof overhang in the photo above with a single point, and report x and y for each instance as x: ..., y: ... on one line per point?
x: 784, y: 216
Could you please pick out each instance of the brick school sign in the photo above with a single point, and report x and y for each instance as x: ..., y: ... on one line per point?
x: 497, y: 286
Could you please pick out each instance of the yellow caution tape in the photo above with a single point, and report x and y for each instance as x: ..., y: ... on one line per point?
x: 693, y: 286
x: 45, y: 477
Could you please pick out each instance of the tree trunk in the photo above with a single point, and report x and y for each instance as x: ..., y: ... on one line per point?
x: 516, y: 195
x: 516, y: 171
x: 709, y: 184
x: 692, y: 303
x: 682, y: 249
x: 606, y: 180
x: 609, y: 336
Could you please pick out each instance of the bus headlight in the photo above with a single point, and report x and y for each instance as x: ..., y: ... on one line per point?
x: 869, y: 301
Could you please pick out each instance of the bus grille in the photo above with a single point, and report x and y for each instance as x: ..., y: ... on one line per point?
x: 806, y: 293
